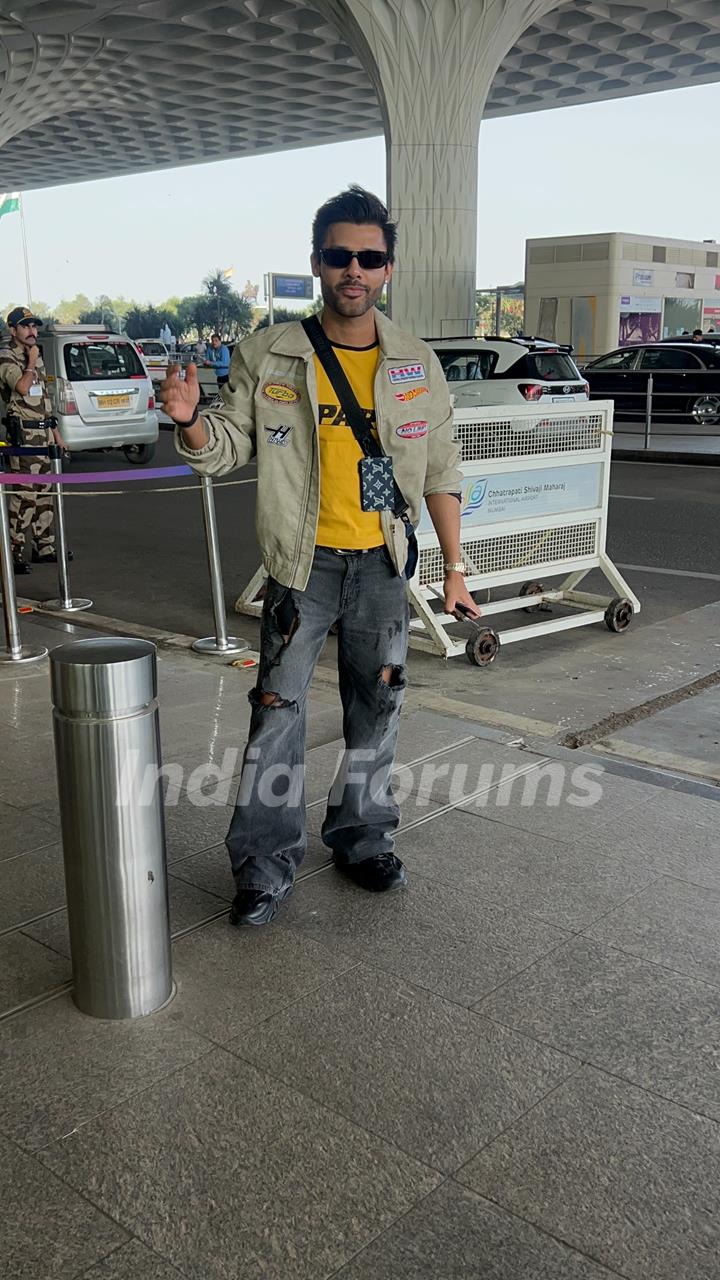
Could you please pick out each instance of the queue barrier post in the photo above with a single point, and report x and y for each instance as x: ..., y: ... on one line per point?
x: 15, y: 651
x: 648, y: 410
x: 65, y: 603
x: 107, y: 755
x: 221, y: 643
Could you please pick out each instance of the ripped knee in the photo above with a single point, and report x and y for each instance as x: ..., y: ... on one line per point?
x: 270, y: 699
x: 392, y: 677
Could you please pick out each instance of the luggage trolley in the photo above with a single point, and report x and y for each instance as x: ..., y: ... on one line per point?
x: 534, y: 504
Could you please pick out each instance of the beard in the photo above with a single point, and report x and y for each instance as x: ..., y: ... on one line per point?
x: 335, y: 299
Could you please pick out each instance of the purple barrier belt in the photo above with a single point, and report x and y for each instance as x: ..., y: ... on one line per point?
x: 93, y: 477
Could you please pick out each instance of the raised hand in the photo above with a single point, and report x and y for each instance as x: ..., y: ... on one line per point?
x: 180, y: 398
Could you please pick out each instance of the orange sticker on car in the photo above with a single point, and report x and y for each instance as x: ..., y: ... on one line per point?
x: 404, y: 396
x: 281, y: 393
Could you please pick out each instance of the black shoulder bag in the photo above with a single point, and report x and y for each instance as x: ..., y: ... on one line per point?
x: 379, y: 490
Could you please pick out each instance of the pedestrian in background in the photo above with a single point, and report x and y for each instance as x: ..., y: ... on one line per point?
x: 219, y: 357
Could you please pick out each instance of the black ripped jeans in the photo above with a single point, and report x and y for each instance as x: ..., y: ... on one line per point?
x: 362, y: 593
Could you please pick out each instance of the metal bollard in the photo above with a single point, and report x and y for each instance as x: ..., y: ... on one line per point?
x: 15, y: 651
x: 221, y: 642
x: 107, y: 755
x: 648, y: 410
x: 65, y: 603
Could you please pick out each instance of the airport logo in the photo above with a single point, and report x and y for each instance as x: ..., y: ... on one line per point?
x: 474, y: 496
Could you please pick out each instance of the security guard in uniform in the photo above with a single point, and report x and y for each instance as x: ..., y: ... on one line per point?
x: 28, y: 422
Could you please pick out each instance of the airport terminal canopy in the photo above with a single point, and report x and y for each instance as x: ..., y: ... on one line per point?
x: 95, y: 88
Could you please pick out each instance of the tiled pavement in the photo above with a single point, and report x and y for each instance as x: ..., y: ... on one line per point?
x: 506, y: 1072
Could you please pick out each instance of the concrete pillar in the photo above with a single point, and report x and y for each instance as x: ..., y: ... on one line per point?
x: 432, y: 63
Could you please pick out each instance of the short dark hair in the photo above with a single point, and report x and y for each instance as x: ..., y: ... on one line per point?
x: 215, y: 335
x: 696, y: 332
x: 354, y: 205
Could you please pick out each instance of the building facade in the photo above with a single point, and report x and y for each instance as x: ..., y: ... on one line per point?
x: 604, y: 291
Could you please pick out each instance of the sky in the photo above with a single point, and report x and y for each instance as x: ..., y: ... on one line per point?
x: 646, y: 165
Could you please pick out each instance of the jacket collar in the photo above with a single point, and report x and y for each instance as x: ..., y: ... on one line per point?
x: 395, y: 344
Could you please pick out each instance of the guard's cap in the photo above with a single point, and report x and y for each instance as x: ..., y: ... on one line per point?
x: 22, y: 315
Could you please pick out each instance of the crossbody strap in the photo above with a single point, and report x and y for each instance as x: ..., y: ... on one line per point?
x: 354, y: 415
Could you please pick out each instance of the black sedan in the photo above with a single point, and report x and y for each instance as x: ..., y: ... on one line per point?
x: 686, y: 381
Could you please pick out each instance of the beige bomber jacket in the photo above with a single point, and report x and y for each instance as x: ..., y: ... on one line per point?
x: 270, y: 413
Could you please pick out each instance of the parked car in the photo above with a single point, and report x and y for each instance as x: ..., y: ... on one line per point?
x: 102, y: 394
x: 155, y: 356
x: 686, y: 380
x: 483, y: 371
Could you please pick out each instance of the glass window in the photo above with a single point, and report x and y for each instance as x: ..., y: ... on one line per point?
x: 668, y: 358
x: 555, y: 366
x: 616, y: 360
x: 153, y: 348
x: 99, y: 361
x: 659, y: 253
x: 684, y: 279
x: 711, y: 258
x: 467, y: 366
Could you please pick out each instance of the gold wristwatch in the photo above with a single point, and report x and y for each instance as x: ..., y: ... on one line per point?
x: 457, y: 567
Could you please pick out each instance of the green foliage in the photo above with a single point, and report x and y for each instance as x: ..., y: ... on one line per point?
x: 281, y: 315
x: 226, y: 312
x: 219, y: 307
x: 512, y: 311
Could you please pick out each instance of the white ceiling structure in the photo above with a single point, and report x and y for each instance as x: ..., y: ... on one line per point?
x: 94, y: 88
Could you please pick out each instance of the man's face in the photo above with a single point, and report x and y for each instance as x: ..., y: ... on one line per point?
x: 351, y: 290
x: 215, y: 342
x: 25, y: 334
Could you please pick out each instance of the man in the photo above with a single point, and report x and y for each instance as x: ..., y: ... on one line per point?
x: 219, y: 357
x: 697, y: 335
x: 29, y: 422
x: 329, y: 560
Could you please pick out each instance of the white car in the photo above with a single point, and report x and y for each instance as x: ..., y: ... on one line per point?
x: 101, y: 393
x: 485, y: 371
x: 155, y: 357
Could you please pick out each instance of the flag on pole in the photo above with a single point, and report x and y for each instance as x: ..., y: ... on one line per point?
x: 9, y: 202
x: 227, y: 273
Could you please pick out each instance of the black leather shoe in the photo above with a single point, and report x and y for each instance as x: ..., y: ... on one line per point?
x: 377, y: 874
x: 48, y: 557
x: 21, y: 566
x: 253, y: 906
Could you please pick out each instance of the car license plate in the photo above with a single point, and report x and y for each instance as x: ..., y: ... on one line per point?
x: 113, y: 402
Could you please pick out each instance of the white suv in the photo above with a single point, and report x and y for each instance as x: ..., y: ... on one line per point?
x: 482, y: 371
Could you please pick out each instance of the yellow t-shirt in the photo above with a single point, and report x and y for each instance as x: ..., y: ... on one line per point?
x: 342, y: 522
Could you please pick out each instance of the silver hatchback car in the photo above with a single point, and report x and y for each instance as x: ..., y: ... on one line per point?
x: 102, y: 395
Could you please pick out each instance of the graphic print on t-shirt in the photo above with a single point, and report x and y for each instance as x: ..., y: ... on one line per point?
x: 342, y: 521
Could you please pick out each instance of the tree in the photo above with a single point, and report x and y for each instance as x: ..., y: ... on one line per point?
x: 512, y: 311
x: 69, y: 310
x: 280, y: 316
x: 228, y: 313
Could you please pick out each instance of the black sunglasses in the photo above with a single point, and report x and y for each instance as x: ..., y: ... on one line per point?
x: 368, y: 259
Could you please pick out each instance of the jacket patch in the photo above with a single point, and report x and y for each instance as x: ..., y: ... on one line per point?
x: 411, y: 394
x: 281, y: 393
x: 412, y: 430
x: 406, y: 373
x: 278, y: 435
